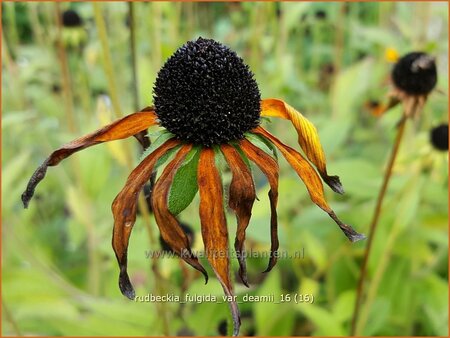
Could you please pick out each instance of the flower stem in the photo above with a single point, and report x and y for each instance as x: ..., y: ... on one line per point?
x: 373, y: 225
x: 131, y: 15
x: 107, y: 60
x: 66, y: 81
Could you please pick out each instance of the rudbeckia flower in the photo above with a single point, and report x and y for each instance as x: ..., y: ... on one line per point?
x: 414, y: 76
x: 209, y: 103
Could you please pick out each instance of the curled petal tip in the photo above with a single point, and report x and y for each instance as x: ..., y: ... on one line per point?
x: 351, y: 234
x: 25, y: 201
x: 348, y: 231
x: 356, y: 237
x: 206, y: 276
x: 334, y: 183
x: 37, y: 176
x: 125, y: 286
x: 270, y: 267
x: 244, y: 279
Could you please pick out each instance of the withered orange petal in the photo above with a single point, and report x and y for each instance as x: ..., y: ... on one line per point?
x: 214, y: 227
x: 124, y: 211
x: 269, y: 166
x: 308, y: 137
x: 122, y: 128
x: 311, y: 180
x: 169, y: 227
x: 242, y: 197
x: 302, y: 168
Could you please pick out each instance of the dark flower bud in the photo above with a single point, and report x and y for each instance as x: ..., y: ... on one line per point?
x: 320, y: 14
x: 71, y: 18
x: 415, y: 73
x: 205, y: 94
x: 439, y: 137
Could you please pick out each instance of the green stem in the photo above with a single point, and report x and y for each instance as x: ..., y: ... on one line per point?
x: 156, y: 29
x: 131, y: 14
x: 411, y: 109
x: 11, y: 28
x: 373, y: 225
x: 35, y: 24
x: 66, y: 81
x: 107, y: 60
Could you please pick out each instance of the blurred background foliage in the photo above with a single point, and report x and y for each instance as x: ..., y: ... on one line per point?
x: 327, y: 60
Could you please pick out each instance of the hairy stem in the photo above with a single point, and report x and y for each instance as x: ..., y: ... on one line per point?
x: 411, y: 108
x: 374, y: 223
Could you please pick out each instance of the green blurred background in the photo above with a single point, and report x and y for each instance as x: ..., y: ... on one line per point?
x: 327, y: 60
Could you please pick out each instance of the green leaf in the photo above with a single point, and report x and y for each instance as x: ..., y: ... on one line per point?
x: 262, y: 143
x: 160, y: 140
x: 219, y: 159
x: 184, y: 186
x: 243, y: 156
x: 165, y: 157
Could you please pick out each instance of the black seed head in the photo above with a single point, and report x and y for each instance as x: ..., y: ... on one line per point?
x: 70, y: 18
x: 205, y: 94
x: 415, y: 73
x: 320, y: 14
x: 439, y: 137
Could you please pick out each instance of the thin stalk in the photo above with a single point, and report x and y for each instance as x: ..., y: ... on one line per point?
x: 83, y: 83
x: 410, y: 110
x: 156, y: 29
x: 189, y: 7
x: 107, y: 60
x: 35, y: 23
x: 373, y: 225
x: 11, y: 27
x: 142, y: 136
x: 66, y: 81
x: 131, y: 15
x: 339, y: 38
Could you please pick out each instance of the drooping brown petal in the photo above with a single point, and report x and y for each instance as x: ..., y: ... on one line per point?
x: 124, y: 211
x: 214, y: 227
x: 308, y: 138
x: 311, y: 180
x: 122, y: 128
x: 302, y: 167
x: 269, y: 166
x: 242, y: 196
x: 170, y: 229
